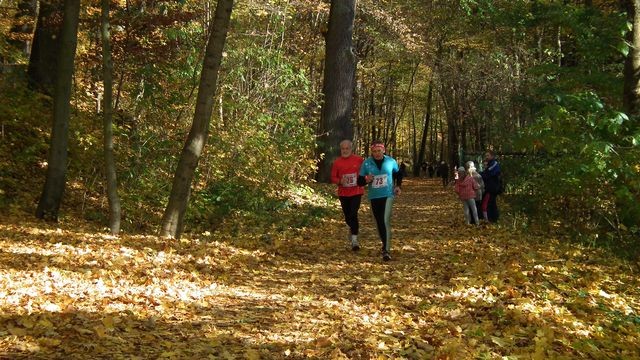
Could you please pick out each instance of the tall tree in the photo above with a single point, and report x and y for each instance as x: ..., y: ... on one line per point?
x: 632, y: 63
x: 110, y: 164
x: 335, y: 124
x: 173, y: 219
x: 42, y: 70
x: 425, y: 128
x: 51, y: 198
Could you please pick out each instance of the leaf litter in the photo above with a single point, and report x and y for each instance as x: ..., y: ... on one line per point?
x: 451, y: 292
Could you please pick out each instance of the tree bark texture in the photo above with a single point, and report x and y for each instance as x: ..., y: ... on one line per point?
x: 631, y: 95
x: 173, y: 219
x: 109, y: 161
x: 403, y: 107
x: 414, y: 142
x: 427, y: 120
x: 53, y: 191
x: 47, y: 44
x: 338, y: 85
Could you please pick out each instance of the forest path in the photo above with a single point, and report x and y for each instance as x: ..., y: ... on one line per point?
x: 451, y: 291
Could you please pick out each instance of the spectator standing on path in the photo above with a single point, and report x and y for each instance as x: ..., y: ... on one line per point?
x: 466, y: 189
x: 403, y: 169
x: 430, y: 170
x: 492, y: 186
x: 471, y: 170
x: 424, y: 168
x: 380, y: 172
x: 344, y: 172
x: 443, y: 170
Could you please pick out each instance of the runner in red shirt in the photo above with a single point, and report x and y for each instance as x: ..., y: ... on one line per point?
x: 344, y: 172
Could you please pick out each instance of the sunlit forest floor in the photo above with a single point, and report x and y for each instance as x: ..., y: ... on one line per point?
x: 68, y: 291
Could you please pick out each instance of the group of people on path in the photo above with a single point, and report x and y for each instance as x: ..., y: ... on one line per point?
x: 382, y: 176
x: 441, y: 170
x: 478, y: 191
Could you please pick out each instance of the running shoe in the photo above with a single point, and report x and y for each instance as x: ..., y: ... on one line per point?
x: 354, y: 243
x: 386, y: 256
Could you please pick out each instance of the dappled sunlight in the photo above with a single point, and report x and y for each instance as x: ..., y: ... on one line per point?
x: 450, y: 291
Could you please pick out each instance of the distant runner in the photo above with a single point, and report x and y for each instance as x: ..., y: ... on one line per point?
x: 380, y: 172
x: 344, y: 172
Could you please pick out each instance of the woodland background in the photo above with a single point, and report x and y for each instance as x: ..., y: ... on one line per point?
x: 97, y: 99
x: 541, y: 82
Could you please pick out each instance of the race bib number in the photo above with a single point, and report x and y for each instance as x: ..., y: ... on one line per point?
x: 350, y: 180
x: 379, y: 181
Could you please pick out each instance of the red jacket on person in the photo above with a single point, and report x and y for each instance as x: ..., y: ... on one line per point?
x: 466, y: 188
x: 347, y: 168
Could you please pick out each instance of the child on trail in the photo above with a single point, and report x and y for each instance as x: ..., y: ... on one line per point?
x: 471, y: 170
x: 466, y: 188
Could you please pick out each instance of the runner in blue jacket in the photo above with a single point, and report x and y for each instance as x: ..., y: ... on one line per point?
x: 380, y: 172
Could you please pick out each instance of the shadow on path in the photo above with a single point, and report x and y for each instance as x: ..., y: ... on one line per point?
x: 451, y: 291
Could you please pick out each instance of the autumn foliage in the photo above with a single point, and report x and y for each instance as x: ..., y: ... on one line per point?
x: 451, y: 292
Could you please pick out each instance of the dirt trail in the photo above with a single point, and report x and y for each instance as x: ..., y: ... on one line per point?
x: 422, y: 214
x: 450, y: 291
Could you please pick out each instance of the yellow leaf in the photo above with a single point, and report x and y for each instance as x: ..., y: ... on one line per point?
x: 82, y: 331
x: 107, y: 321
x: 252, y: 354
x: 100, y: 331
x: 323, y: 342
x: 498, y: 341
x: 27, y: 322
x: 17, y: 331
x: 45, y: 324
x: 48, y: 342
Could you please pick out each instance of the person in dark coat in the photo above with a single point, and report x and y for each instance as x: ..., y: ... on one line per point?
x: 492, y: 186
x: 443, y: 171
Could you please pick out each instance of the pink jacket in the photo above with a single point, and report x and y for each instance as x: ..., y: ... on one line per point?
x: 466, y: 188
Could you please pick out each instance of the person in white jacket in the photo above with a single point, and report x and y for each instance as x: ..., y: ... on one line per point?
x: 471, y: 170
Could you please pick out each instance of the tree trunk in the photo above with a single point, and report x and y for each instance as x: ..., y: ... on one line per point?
x: 433, y: 144
x: 173, y: 219
x: 338, y: 85
x: 449, y: 101
x: 442, y: 140
x: 452, y: 140
x: 631, y: 95
x: 463, y: 134
x: 49, y: 203
x: 372, y: 113
x: 44, y: 57
x: 405, y: 100
x: 387, y: 108
x: 109, y: 161
x: 414, y: 142
x: 427, y: 121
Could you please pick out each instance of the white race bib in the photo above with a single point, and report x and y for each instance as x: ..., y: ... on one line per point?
x: 379, y: 181
x: 350, y: 180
